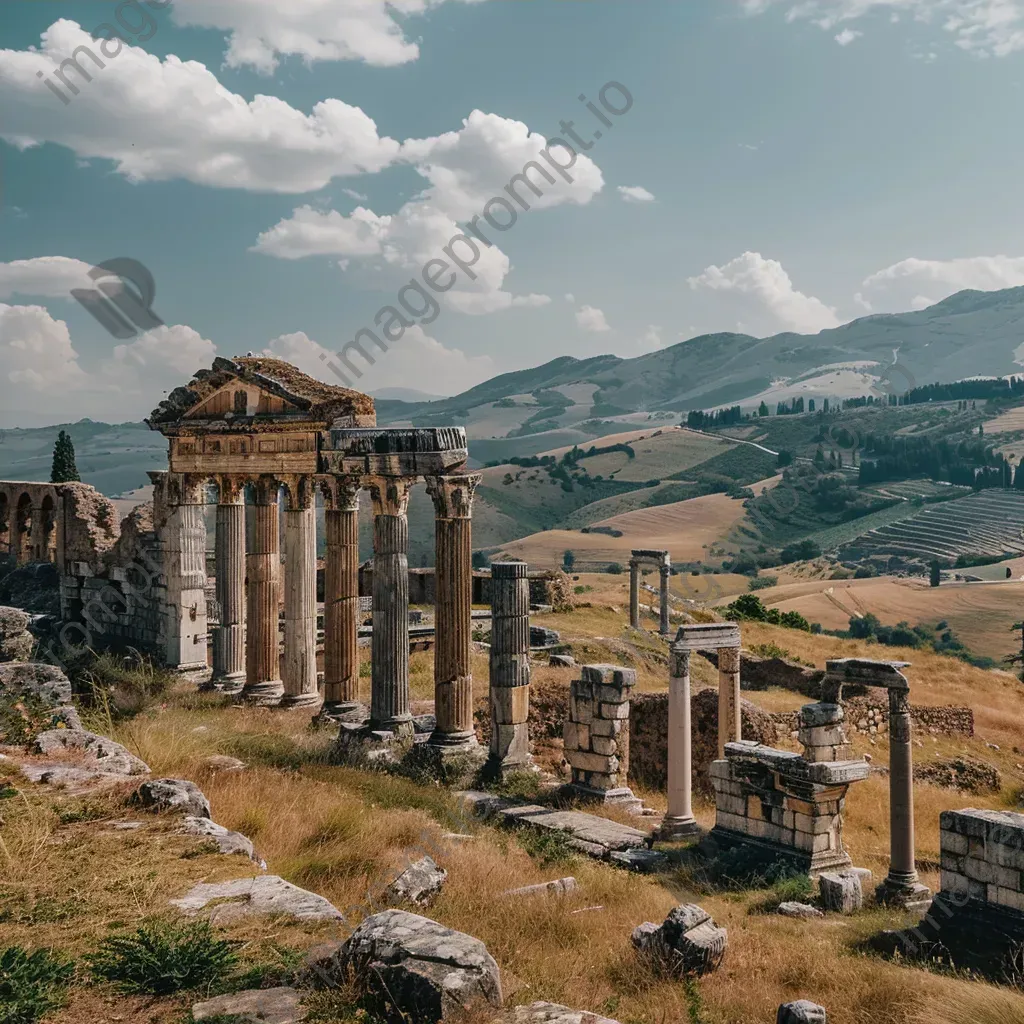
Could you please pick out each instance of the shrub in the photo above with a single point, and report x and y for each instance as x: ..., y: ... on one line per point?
x: 548, y: 847
x: 122, y: 684
x: 615, y: 569
x: 32, y: 985
x: 763, y: 582
x: 163, y: 957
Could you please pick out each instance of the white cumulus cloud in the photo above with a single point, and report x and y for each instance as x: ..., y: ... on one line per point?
x: 765, y: 284
x: 43, y: 276
x: 847, y: 36
x: 262, y: 31
x: 635, y: 194
x: 917, y: 283
x: 590, y: 318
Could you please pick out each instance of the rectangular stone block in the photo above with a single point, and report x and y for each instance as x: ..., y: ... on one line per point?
x: 736, y: 822
x: 953, y: 842
x: 570, y: 736
x: 952, y: 862
x: 822, y: 736
x: 603, y: 745
x: 953, y: 881
x: 979, y: 870
x: 620, y: 711
x: 606, y: 727
x: 720, y: 770
x: 614, y: 675
x: 1006, y: 856
x: 588, y: 762
x: 730, y: 804
x: 1009, y: 898
x: 604, y: 780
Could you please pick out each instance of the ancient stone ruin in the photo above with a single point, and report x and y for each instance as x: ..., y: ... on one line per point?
x: 788, y: 807
x: 663, y: 563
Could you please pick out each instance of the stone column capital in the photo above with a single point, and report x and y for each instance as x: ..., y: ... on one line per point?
x: 265, y: 489
x: 390, y: 494
x: 453, y: 495
x: 341, y: 493
x: 300, y: 492
x: 182, y: 488
x: 231, y: 489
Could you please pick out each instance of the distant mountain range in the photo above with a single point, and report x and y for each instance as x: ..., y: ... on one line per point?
x: 970, y: 333
x: 568, y: 400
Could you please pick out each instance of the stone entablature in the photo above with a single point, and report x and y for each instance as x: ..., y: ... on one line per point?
x: 662, y: 561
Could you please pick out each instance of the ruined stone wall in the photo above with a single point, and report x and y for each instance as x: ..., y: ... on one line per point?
x: 983, y: 856
x: 868, y: 716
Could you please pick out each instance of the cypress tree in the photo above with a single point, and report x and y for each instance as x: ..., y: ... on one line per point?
x: 64, y: 469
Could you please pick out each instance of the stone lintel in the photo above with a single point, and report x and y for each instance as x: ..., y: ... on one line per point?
x: 866, y: 672
x: 659, y: 558
x: 709, y: 636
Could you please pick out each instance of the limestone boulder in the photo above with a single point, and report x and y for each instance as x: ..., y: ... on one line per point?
x: 419, y: 883
x: 46, y: 683
x: 801, y: 1012
x: 415, y: 969
x: 264, y: 894
x: 266, y: 1006
x: 553, y: 1013
x: 16, y: 642
x: 172, y: 796
x: 804, y: 910
x: 227, y: 842
x: 97, y: 751
x: 687, y: 944
x: 222, y: 763
x: 841, y: 892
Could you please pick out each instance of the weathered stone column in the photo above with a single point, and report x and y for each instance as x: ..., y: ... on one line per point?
x: 634, y: 593
x: 901, y: 887
x: 453, y: 603
x: 665, y: 606
x: 729, y: 706
x: 510, y: 667
x: 299, y: 671
x: 679, y: 820
x: 389, y: 698
x: 263, y: 567
x: 229, y: 636
x: 37, y: 535
x: 341, y: 600
x: 178, y: 504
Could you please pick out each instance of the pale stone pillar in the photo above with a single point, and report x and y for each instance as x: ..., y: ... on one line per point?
x: 679, y: 820
x: 510, y: 667
x: 37, y: 535
x: 729, y: 706
x: 453, y: 603
x: 634, y: 593
x: 665, y: 607
x: 341, y: 599
x: 299, y: 671
x: 263, y: 566
x: 178, y: 505
x: 902, y: 886
x: 389, y: 697
x: 229, y: 544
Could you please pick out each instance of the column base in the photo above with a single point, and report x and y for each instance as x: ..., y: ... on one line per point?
x: 361, y: 745
x: 338, y: 711
x: 401, y: 728
x: 300, y: 700
x: 453, y: 740
x: 498, y: 770
x: 453, y: 766
x: 678, y: 828
x: 903, y: 892
x: 228, y: 684
x: 197, y: 672
x: 264, y: 694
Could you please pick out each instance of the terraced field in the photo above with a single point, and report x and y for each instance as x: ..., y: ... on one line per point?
x: 985, y: 525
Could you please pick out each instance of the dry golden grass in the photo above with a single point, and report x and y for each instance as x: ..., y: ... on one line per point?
x: 344, y: 833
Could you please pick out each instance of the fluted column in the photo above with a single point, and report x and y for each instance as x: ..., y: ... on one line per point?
x: 679, y: 820
x: 389, y: 676
x: 901, y: 886
x: 510, y: 667
x: 664, y: 608
x: 453, y: 603
x: 729, y: 706
x: 229, y: 636
x: 178, y: 505
x: 341, y: 599
x: 263, y: 566
x: 634, y: 593
x: 299, y: 671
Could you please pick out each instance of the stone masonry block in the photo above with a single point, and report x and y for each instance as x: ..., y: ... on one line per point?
x: 603, y: 745
x: 609, y: 675
x: 1009, y: 898
x: 613, y: 711
x: 588, y: 762
x: 605, y: 727
x: 570, y: 738
x: 953, y: 842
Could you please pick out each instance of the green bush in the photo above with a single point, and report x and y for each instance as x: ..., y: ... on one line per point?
x: 615, y: 568
x: 548, y: 847
x: 763, y: 583
x: 121, y: 684
x: 32, y: 985
x: 162, y: 957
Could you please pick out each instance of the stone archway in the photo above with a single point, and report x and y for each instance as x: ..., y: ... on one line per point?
x: 22, y: 530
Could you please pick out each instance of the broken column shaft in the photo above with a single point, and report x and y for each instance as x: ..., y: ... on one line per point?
x: 510, y: 667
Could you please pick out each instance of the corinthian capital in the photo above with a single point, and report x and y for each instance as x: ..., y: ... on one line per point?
x: 453, y: 495
x: 389, y: 494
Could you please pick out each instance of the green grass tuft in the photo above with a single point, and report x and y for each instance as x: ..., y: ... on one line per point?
x: 32, y: 985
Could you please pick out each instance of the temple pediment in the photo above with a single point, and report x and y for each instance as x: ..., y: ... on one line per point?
x: 255, y: 392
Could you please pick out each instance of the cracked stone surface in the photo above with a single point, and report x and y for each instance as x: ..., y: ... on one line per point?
x: 266, y: 1006
x: 688, y: 943
x: 172, y: 796
x: 419, y: 884
x: 228, y: 842
x: 104, y: 753
x: 553, y: 1013
x: 422, y: 969
x: 264, y: 894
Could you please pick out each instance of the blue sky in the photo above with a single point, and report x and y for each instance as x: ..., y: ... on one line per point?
x: 283, y: 169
